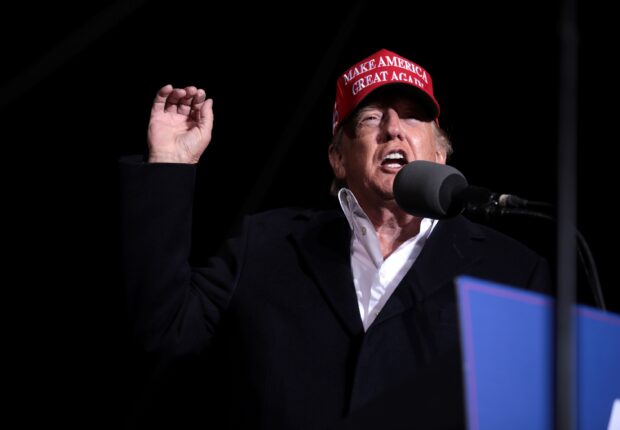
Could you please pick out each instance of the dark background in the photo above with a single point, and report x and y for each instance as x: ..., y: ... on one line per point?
x: 78, y: 81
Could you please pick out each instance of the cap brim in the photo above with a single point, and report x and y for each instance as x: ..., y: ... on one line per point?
x: 431, y: 107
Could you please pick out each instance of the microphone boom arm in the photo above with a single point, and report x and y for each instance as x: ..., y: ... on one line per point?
x: 495, y: 206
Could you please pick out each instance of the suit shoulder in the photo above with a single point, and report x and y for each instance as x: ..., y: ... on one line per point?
x: 498, y: 239
x: 495, y: 255
x: 290, y: 217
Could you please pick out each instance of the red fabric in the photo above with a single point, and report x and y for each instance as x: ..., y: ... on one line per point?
x: 381, y: 68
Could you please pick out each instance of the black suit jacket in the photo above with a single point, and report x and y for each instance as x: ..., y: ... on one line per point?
x: 278, y: 307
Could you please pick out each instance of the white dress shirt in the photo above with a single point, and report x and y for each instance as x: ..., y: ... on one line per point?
x: 376, y: 278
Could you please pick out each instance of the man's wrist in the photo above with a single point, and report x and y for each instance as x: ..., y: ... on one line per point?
x: 170, y: 158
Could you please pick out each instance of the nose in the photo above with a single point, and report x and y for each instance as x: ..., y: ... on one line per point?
x: 392, y: 125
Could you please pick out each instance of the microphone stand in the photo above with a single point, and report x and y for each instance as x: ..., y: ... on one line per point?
x: 565, y: 389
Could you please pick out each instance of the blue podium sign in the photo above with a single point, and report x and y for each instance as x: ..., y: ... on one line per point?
x: 507, y: 342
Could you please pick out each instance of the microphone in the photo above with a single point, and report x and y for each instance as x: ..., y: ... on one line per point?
x: 432, y: 190
x: 438, y: 191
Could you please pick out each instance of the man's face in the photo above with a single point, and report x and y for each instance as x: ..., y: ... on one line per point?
x: 384, y: 135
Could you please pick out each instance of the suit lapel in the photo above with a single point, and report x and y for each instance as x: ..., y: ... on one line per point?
x: 447, y: 252
x: 325, y: 247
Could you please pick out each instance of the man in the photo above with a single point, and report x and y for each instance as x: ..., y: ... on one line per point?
x: 314, y: 315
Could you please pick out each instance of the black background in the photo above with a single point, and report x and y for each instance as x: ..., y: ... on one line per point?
x: 78, y: 81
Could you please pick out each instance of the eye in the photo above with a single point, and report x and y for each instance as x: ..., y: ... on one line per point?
x: 370, y: 119
x: 411, y: 120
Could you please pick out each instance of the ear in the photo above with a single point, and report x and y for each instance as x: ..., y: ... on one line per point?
x: 440, y: 156
x: 336, y: 159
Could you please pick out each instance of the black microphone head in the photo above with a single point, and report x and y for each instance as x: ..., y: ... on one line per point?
x: 427, y: 189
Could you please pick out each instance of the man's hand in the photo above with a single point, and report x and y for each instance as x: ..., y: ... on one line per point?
x: 180, y: 126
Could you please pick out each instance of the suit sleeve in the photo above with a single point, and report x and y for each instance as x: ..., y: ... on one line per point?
x: 174, y: 309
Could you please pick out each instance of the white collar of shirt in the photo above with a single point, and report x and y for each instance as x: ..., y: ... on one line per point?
x: 376, y: 279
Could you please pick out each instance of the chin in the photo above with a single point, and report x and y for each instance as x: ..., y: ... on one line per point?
x: 387, y: 187
x: 387, y: 194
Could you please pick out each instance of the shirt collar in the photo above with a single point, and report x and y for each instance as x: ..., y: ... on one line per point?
x: 350, y: 207
x: 355, y: 214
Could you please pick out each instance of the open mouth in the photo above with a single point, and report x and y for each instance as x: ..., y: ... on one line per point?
x: 394, y: 160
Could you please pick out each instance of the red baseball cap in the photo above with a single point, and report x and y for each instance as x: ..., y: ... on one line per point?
x: 376, y: 71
